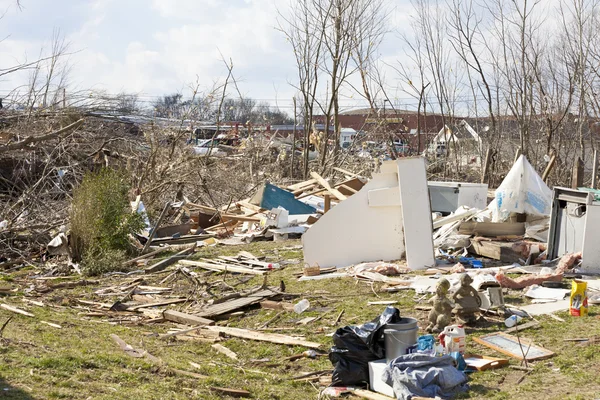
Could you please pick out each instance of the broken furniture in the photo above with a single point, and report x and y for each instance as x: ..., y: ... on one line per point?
x: 574, y: 223
x: 388, y: 217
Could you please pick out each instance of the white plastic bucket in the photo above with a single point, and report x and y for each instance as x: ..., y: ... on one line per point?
x: 399, y: 337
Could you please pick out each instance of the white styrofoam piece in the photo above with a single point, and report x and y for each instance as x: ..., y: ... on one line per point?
x: 416, y: 212
x: 590, y: 255
x: 352, y: 232
x: 376, y: 369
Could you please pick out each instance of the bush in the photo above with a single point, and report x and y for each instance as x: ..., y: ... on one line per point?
x: 101, y: 221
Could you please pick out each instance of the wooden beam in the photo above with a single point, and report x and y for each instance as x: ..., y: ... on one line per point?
x: 303, y: 184
x: 595, y: 170
x: 346, y: 172
x: 548, y: 168
x: 156, y: 226
x: 219, y: 267
x: 327, y: 206
x: 161, y: 265
x: 157, y: 304
x: 486, y: 166
x: 336, y: 193
x: 187, y: 319
x: 263, y: 337
x: 577, y: 177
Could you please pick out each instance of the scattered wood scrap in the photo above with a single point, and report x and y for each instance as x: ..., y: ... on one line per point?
x: 224, y: 350
x: 235, y: 304
x: 183, y: 318
x: 161, y: 265
x: 231, y: 392
x: 222, y: 267
x: 263, y: 337
x: 16, y: 310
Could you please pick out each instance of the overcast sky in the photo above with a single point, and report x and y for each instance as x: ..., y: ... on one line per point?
x: 154, y: 47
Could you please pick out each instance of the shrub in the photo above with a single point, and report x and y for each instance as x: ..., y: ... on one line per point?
x: 101, y: 221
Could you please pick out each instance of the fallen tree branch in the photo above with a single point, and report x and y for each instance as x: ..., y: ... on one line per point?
x: 34, y: 139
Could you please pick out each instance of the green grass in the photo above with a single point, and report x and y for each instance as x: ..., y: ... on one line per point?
x: 81, y: 361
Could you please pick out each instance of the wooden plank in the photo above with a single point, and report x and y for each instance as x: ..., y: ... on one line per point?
x: 219, y: 267
x: 348, y: 188
x: 243, y: 218
x: 336, y: 193
x: 181, y: 240
x: 144, y: 256
x: 482, y: 363
x: 188, y: 319
x: 492, y: 229
x: 346, y: 172
x: 161, y: 265
x: 276, y: 305
x: 197, y: 331
x: 16, y: 310
x: 231, y: 392
x: 224, y: 350
x: 327, y: 205
x: 263, y: 337
x: 303, y: 184
x: 235, y: 304
x: 156, y: 226
x: 495, y: 250
x: 157, y: 304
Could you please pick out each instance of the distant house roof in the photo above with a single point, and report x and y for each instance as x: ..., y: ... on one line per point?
x: 460, y: 131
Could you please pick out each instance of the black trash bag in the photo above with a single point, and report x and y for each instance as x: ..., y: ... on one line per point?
x: 355, y: 346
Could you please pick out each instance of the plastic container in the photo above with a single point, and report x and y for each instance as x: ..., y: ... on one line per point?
x: 453, y: 338
x: 399, y: 337
x: 512, y: 320
x: 301, y: 306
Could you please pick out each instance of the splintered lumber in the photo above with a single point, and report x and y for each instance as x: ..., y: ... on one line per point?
x: 502, y: 251
x: 187, y: 373
x: 303, y: 184
x: 196, y: 330
x: 221, y: 267
x: 157, y: 304
x: 144, y: 256
x: 224, y: 350
x: 187, y: 319
x: 128, y: 349
x: 70, y: 285
x: 231, y: 392
x: 336, y: 193
x: 235, y: 304
x: 16, y: 310
x: 161, y: 265
x: 492, y: 229
x: 263, y: 337
x: 346, y: 172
